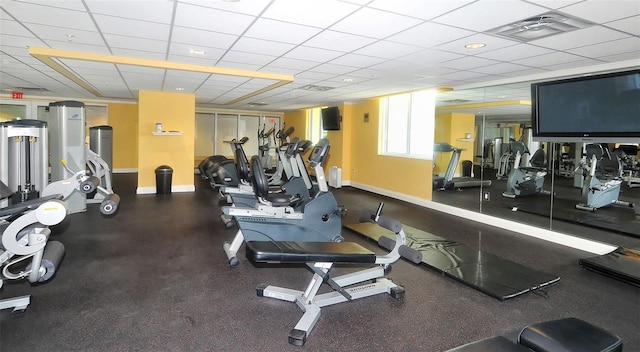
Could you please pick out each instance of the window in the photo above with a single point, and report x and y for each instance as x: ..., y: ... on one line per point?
x: 315, y: 124
x: 407, y: 124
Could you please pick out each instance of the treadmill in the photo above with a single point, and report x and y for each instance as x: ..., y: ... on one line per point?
x: 447, y: 181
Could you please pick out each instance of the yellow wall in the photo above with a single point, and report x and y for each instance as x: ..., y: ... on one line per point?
x: 123, y: 118
x: 298, y: 120
x: 450, y: 128
x: 177, y: 113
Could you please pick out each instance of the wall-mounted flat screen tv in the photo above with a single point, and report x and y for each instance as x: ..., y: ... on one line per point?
x: 596, y: 108
x: 331, y: 118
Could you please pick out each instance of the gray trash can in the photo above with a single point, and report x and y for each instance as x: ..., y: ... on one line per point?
x: 164, y: 174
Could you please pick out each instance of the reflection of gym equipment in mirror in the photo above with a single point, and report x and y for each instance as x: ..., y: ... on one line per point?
x: 603, y: 178
x: 526, y: 180
x: 448, y: 181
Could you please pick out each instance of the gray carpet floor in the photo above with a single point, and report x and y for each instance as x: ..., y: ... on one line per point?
x: 154, y: 278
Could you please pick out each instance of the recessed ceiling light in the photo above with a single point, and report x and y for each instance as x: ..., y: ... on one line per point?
x: 179, y: 89
x: 475, y: 45
x: 347, y: 80
x: 197, y: 52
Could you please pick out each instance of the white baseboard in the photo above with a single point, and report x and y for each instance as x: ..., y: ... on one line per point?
x: 174, y: 189
x: 564, y: 239
x: 125, y: 170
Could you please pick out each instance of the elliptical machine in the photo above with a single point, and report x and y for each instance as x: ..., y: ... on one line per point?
x: 274, y: 216
x: 597, y: 193
x: 525, y: 181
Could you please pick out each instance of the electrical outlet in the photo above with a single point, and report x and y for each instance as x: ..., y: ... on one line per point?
x: 486, y: 196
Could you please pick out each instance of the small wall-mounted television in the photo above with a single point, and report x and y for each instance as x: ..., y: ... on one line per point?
x: 331, y: 118
x: 595, y: 108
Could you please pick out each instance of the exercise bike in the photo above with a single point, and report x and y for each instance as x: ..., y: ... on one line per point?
x: 282, y: 217
x: 525, y: 181
x: 597, y: 193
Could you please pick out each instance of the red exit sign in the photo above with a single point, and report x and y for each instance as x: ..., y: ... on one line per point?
x: 17, y: 95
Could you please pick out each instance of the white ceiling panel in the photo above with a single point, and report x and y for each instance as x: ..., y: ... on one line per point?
x: 129, y: 27
x: 281, y: 31
x: 374, y: 23
x: 159, y: 11
x: 604, y: 11
x: 309, y: 12
x: 630, y: 25
x: 419, y: 8
x: 581, y: 37
x: 483, y: 15
x: 338, y: 41
x: 209, y: 19
x: 385, y: 46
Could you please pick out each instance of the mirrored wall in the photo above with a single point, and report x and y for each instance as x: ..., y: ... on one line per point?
x: 545, y: 191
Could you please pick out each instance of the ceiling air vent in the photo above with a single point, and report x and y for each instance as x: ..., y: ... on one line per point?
x: 314, y: 88
x: 457, y: 101
x: 550, y: 23
x: 258, y: 103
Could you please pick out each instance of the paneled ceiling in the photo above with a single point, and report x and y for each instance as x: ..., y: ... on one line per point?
x: 280, y: 55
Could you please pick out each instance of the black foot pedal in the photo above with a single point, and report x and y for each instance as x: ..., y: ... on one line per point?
x: 397, y: 292
x: 297, y: 337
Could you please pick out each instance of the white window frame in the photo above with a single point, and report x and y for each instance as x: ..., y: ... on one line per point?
x: 419, y: 129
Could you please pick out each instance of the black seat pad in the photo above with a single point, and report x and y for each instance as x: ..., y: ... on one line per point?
x: 569, y: 334
x: 308, y: 252
x: 492, y: 344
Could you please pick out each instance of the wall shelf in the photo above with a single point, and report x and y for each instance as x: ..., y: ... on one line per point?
x: 168, y: 133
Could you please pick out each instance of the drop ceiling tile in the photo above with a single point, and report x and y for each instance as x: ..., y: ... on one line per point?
x: 430, y: 34
x: 128, y: 27
x: 260, y: 46
x: 578, y: 38
x: 63, y: 4
x: 210, y: 56
x: 549, y: 59
x: 238, y: 65
x: 483, y: 15
x: 294, y: 64
x: 14, y: 44
x: 604, y: 11
x: 253, y: 7
x: 630, y: 25
x: 468, y: 62
x: 139, y: 54
x: 211, y: 19
x: 200, y: 38
x: 248, y: 58
x: 620, y: 46
x: 135, y: 43
x: 53, y: 16
x: 310, y: 13
x: 492, y: 43
x: 430, y: 57
x: 312, y: 54
x: 419, y: 8
x: 66, y: 34
x: 388, y: 50
x: 339, y: 41
x: 334, y: 69
x: 554, y: 4
x: 500, y: 68
x: 11, y: 27
x: 374, y: 23
x: 152, y: 11
x: 515, y: 52
x: 573, y: 64
x: 281, y: 31
x: 630, y: 56
x: 66, y: 45
x: 357, y: 60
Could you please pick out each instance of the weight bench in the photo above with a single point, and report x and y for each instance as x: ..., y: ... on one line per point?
x: 320, y: 257
x: 562, y: 335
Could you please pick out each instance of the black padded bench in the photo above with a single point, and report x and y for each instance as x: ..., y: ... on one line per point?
x: 306, y: 252
x: 562, y: 335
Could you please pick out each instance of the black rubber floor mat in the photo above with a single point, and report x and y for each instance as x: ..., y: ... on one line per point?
x: 488, y: 273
